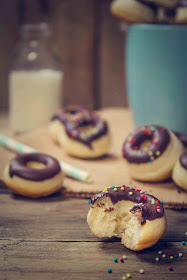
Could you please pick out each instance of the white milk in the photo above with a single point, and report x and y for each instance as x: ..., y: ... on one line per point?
x: 34, y: 97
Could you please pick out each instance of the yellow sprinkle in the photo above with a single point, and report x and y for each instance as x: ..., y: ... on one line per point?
x: 145, y: 149
x: 153, y: 202
x: 158, y: 153
x: 151, y: 194
x: 109, y: 187
x: 128, y: 275
x: 131, y: 193
x: 115, y: 189
x: 150, y: 153
x: 122, y: 188
x: 105, y: 190
x: 124, y: 278
x: 171, y: 257
x: 152, y: 127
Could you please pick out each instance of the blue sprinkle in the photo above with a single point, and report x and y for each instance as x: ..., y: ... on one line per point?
x: 183, y: 242
x: 175, y: 256
x: 161, y: 202
x: 149, y: 160
x: 153, y: 130
x: 109, y: 270
x: 115, y: 260
x: 113, y: 187
x: 89, y: 201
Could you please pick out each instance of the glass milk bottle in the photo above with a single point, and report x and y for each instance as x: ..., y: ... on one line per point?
x: 35, y: 79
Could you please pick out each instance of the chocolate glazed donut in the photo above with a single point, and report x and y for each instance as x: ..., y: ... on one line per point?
x: 151, y: 152
x: 24, y: 176
x: 18, y: 167
x: 183, y: 160
x: 130, y: 214
x: 159, y: 137
x: 74, y: 118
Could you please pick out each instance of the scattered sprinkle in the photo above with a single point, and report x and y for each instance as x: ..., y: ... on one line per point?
x: 115, y: 260
x: 141, y: 271
x: 149, y: 160
x: 158, y: 210
x: 146, y: 192
x: 161, y: 202
x: 158, y: 153
x: 160, y: 252
x: 89, y: 201
x: 150, y: 153
x: 124, y: 257
x: 171, y: 257
x: 164, y: 255
x: 157, y: 259
x: 131, y: 193
x: 176, y: 256
x: 113, y: 187
x: 186, y: 233
x: 109, y: 270
x: 170, y: 268
x: 128, y: 275
x: 180, y: 254
x: 131, y: 188
x: 158, y: 207
x: 153, y: 201
x: 122, y: 188
x: 145, y: 197
x: 121, y: 260
x: 104, y: 190
x: 158, y: 201
x: 124, y: 277
x: 183, y: 242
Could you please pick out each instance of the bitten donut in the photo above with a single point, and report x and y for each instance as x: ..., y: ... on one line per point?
x: 33, y: 175
x: 80, y: 132
x: 134, y: 10
x: 151, y: 152
x: 130, y: 214
x: 179, y: 174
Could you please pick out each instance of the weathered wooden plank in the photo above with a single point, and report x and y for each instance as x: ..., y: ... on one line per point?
x: 61, y: 218
x: 83, y: 260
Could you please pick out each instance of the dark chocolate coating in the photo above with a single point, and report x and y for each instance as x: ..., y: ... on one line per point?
x: 183, y: 3
x: 182, y: 137
x: 149, y: 210
x: 18, y: 167
x: 159, y: 136
x: 183, y: 160
x: 153, y: 6
x: 73, y: 118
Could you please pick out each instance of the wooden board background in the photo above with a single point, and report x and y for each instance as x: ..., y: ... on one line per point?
x: 87, y: 38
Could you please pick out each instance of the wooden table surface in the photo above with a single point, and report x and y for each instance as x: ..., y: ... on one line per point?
x: 49, y: 239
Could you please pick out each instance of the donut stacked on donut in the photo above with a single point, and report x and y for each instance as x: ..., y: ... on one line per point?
x: 33, y: 175
x: 151, y: 152
x: 179, y: 174
x: 80, y: 132
x: 130, y: 214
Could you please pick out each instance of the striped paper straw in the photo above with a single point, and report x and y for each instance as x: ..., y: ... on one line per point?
x: 68, y: 169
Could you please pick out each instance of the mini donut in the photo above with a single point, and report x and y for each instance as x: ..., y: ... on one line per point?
x: 151, y: 152
x: 130, y: 214
x: 80, y: 132
x: 133, y: 11
x: 182, y: 137
x: 33, y: 175
x: 179, y: 174
x: 181, y: 12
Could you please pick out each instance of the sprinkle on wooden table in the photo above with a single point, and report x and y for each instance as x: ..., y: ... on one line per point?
x: 164, y: 255
x: 160, y: 252
x: 180, y: 254
x: 183, y: 242
x: 169, y: 254
x: 128, y: 275
x: 157, y: 259
x: 170, y: 268
x: 124, y: 257
x: 124, y: 277
x: 109, y: 270
x: 121, y: 260
x: 113, y: 187
x: 115, y: 260
x: 141, y: 271
x: 176, y: 256
x: 89, y: 201
x: 171, y: 257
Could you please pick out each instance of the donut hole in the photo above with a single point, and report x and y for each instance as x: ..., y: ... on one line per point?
x: 145, y: 144
x: 35, y: 165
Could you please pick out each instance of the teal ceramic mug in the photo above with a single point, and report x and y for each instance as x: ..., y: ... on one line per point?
x: 156, y: 59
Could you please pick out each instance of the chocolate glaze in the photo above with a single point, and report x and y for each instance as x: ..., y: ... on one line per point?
x: 74, y: 118
x: 183, y: 3
x: 153, y: 6
x: 18, y: 167
x: 182, y: 137
x: 183, y: 160
x: 149, y: 211
x: 159, y: 136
